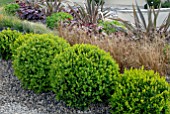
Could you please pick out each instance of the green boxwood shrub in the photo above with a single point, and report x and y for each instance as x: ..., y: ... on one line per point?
x: 53, y: 20
x: 22, y: 39
x: 11, y: 9
x: 33, y: 58
x: 140, y: 91
x: 7, y: 38
x: 82, y: 75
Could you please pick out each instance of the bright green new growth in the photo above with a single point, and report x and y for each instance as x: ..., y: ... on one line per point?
x: 33, y: 58
x: 141, y: 92
x: 83, y: 74
x: 53, y: 20
x: 11, y: 9
x: 21, y: 40
x: 7, y: 38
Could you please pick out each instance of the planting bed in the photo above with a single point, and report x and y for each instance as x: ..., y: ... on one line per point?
x: 82, y: 74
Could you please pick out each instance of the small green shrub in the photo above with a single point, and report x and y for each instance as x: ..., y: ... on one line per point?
x: 111, y: 26
x: 33, y: 58
x: 21, y: 40
x: 141, y: 92
x: 53, y: 20
x: 11, y: 9
x: 82, y: 75
x: 165, y: 4
x: 7, y: 38
x: 153, y: 3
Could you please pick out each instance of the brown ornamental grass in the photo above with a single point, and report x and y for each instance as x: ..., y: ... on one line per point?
x: 127, y: 50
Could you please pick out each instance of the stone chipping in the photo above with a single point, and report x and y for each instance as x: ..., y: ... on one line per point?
x: 16, y: 100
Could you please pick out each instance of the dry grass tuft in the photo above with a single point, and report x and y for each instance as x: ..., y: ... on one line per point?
x: 127, y: 52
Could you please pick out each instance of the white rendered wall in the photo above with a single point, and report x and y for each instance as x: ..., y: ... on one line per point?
x: 118, y: 3
x: 127, y: 15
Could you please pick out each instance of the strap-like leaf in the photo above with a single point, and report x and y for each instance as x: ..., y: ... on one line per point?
x: 150, y: 24
x: 141, y: 15
x: 156, y: 15
x: 136, y: 19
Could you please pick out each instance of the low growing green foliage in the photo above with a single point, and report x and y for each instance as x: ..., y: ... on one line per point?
x: 23, y: 26
x: 3, y: 2
x: 166, y: 4
x: 83, y: 74
x: 10, y: 22
x: 33, y: 58
x: 141, y: 92
x: 11, y: 9
x: 53, y: 20
x: 153, y: 3
x: 7, y: 38
x: 111, y: 26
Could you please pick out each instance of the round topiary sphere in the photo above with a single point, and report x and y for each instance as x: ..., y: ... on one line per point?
x: 140, y: 91
x: 33, y: 58
x: 7, y: 38
x: 82, y: 75
x: 23, y: 38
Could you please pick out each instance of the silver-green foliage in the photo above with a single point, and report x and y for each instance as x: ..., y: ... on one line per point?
x: 33, y: 58
x: 23, y: 26
x: 83, y: 74
x: 139, y: 91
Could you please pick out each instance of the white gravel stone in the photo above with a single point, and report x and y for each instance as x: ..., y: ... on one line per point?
x: 15, y: 100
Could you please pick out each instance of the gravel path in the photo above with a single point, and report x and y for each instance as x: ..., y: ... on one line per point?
x: 15, y: 100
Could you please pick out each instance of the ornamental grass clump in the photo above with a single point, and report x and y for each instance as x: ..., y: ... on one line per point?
x: 147, y: 53
x: 33, y: 58
x: 23, y: 26
x: 7, y: 38
x: 82, y: 75
x: 140, y: 91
